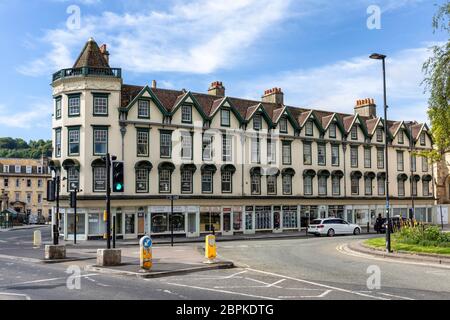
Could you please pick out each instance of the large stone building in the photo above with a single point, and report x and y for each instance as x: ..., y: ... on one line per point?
x: 23, y: 187
x: 238, y: 166
x: 443, y: 180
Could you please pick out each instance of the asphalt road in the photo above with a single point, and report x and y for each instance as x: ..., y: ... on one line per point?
x: 311, y: 268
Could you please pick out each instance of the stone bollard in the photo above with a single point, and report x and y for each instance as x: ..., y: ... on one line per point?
x: 37, y: 238
x: 55, y: 252
x: 109, y: 257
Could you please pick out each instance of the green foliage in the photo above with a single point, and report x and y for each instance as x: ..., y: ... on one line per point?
x: 437, y: 82
x: 18, y: 148
x: 427, y: 236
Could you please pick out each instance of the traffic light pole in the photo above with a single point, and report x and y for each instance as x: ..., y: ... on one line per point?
x: 56, y: 226
x: 75, y: 219
x: 108, y: 201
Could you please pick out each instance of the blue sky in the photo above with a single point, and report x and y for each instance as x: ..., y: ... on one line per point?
x: 315, y: 50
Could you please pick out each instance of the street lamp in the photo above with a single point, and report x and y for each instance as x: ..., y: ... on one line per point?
x: 382, y: 57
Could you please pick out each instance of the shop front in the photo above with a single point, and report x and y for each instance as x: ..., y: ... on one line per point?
x: 184, y: 220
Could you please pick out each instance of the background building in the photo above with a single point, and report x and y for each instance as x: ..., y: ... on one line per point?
x: 239, y: 166
x: 23, y: 187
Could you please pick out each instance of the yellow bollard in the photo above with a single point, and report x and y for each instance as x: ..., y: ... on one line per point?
x: 145, y: 253
x: 210, y: 248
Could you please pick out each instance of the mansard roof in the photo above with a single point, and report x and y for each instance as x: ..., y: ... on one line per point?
x: 245, y: 108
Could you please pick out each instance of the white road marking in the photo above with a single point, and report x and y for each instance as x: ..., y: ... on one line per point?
x: 305, y: 297
x: 394, y: 296
x: 27, y: 297
x: 346, y: 250
x: 318, y: 284
x: 222, y: 291
x: 46, y: 280
x: 211, y: 277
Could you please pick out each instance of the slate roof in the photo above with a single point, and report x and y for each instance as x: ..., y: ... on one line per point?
x: 91, y: 56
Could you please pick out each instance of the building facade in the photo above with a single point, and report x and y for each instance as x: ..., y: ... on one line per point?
x: 23, y: 187
x: 237, y: 165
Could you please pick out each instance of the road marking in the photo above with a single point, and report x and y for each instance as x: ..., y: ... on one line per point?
x: 318, y: 284
x: 394, y: 296
x: 346, y: 250
x: 27, y: 297
x: 46, y: 280
x: 2, y: 256
x: 304, y: 297
x: 211, y: 277
x: 222, y: 291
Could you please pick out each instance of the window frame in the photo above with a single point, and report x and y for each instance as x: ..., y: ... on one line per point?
x: 308, y: 185
x: 259, y: 117
x: 207, y: 142
x: 224, y: 111
x: 307, y: 156
x: 70, y: 97
x: 94, y: 143
x: 335, y: 147
x: 283, y: 125
x: 354, y: 132
x: 400, y: 161
x: 211, y: 181
x: 140, y: 180
x: 140, y: 108
x: 95, y: 180
x: 69, y: 131
x: 164, y: 133
x: 100, y: 96
x: 273, y: 181
x: 184, y: 108
x: 323, y: 156
x: 255, y: 180
x: 147, y: 145
x: 380, y: 151
x: 367, y: 157
x: 168, y: 181
x: 187, y: 146
x: 286, y: 158
x: 309, y: 128
x: 230, y: 182
x: 183, y: 181
x: 352, y: 164
x: 58, y: 146
x: 287, y: 192
x: 58, y: 107
x: 227, y: 145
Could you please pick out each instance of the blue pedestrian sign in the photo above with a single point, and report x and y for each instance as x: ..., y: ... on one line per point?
x: 147, y: 243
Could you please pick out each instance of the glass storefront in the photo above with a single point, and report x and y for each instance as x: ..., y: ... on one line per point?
x: 237, y: 219
x: 263, y: 218
x: 81, y: 223
x: 210, y: 220
x: 308, y: 214
x: 160, y: 222
x: 249, y: 218
x: 336, y: 212
x: 96, y: 226
x: 130, y: 223
x: 290, y: 219
x: 192, y: 222
x: 178, y: 222
x: 361, y: 216
x: 276, y: 217
x: 227, y: 219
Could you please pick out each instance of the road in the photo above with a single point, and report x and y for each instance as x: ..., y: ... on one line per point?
x: 288, y: 269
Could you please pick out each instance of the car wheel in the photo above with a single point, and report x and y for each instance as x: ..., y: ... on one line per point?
x: 331, y: 233
x: 356, y: 231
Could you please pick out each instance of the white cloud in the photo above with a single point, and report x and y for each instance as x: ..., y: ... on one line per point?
x: 37, y: 116
x: 337, y: 86
x: 197, y: 37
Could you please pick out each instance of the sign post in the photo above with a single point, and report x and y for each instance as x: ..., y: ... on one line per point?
x: 145, y: 252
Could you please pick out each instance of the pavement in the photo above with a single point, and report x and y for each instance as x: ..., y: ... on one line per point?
x: 271, y: 269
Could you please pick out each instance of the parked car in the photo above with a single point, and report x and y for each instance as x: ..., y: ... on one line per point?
x: 332, y: 226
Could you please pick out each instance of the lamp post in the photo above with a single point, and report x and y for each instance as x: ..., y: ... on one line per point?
x: 377, y: 56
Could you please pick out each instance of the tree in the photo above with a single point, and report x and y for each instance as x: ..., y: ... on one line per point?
x: 437, y: 82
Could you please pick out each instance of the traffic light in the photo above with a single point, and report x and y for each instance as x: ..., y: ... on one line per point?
x: 118, y: 176
x: 73, y: 199
x: 51, y: 191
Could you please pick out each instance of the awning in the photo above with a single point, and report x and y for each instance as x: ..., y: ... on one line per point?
x: 271, y: 171
x: 381, y: 175
x: 427, y: 177
x: 415, y: 177
x: 370, y: 175
x: 144, y: 165
x: 70, y: 163
x: 309, y: 173
x: 356, y: 174
x: 228, y: 168
x: 337, y: 173
x: 402, y: 177
x: 54, y: 164
x: 323, y: 173
x: 166, y: 166
x: 288, y: 172
x: 255, y: 171
x: 209, y: 167
x: 98, y: 163
x: 188, y: 167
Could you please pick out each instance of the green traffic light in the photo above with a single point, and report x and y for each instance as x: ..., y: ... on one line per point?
x: 119, y: 187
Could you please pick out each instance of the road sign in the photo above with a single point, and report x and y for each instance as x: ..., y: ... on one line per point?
x: 146, y: 254
x: 147, y: 242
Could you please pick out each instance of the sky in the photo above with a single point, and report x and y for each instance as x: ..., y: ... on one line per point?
x: 315, y: 50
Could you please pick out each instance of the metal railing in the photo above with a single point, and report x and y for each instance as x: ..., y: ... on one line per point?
x: 86, y: 72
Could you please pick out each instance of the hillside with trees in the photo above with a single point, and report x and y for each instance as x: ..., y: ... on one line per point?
x: 19, y: 148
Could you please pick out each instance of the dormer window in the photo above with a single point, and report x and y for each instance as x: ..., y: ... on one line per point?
x: 401, y: 138
x: 144, y: 109
x: 225, y: 117
x: 283, y: 125
x: 332, y: 130
x: 354, y: 133
x: 28, y: 169
x: 422, y: 139
x: 186, y: 114
x: 257, y: 125
x: 379, y: 135
x: 309, y: 128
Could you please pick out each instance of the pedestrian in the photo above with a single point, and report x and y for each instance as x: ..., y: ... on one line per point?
x: 378, y: 223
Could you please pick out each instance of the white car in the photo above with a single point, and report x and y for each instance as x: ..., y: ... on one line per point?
x: 332, y: 226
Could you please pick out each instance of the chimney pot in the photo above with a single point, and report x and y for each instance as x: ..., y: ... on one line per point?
x: 217, y: 89
x: 154, y: 84
x: 366, y: 107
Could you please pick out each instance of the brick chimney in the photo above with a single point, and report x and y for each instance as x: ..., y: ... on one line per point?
x: 217, y: 89
x: 154, y: 84
x: 104, y: 51
x: 274, y: 95
x: 366, y: 108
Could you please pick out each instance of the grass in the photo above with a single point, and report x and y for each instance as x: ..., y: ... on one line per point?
x: 399, y: 246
